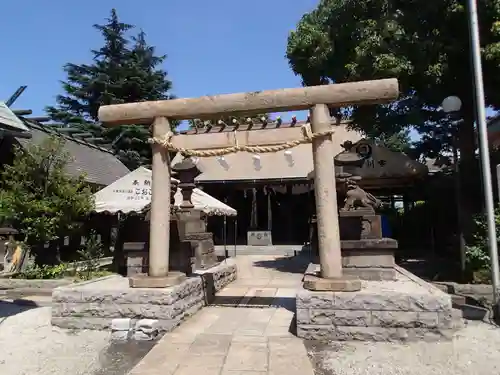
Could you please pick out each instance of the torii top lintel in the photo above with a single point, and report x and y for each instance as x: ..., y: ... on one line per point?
x: 282, y: 100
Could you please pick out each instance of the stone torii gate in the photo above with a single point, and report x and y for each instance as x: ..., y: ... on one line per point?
x: 317, y: 99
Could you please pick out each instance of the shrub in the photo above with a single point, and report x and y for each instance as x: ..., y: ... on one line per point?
x: 477, y: 255
x: 39, y: 199
x: 43, y: 272
x: 91, y: 253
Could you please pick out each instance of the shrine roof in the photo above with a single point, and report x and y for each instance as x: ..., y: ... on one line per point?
x: 99, y: 165
x: 295, y: 164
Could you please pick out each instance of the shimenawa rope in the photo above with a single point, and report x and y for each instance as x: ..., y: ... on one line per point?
x: 307, y: 134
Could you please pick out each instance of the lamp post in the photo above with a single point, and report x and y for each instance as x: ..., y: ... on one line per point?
x: 451, y: 106
x: 483, y: 143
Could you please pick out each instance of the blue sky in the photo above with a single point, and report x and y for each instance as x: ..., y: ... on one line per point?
x: 213, y: 47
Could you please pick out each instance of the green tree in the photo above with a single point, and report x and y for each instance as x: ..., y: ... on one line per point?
x: 424, y: 44
x: 123, y: 70
x: 39, y: 199
x: 399, y: 142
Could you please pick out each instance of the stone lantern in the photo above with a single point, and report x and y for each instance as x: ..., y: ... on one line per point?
x: 186, y: 172
x: 190, y: 223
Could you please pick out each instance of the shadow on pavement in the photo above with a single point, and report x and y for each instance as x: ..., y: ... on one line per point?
x: 293, y: 264
x: 9, y: 308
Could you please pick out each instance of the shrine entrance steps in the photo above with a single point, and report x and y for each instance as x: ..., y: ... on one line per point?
x: 248, y: 329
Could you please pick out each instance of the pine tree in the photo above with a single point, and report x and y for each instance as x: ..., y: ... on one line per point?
x: 89, y: 86
x: 145, y: 82
x: 123, y: 70
x: 148, y: 82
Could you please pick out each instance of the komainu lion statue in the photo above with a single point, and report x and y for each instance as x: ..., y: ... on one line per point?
x: 357, y: 198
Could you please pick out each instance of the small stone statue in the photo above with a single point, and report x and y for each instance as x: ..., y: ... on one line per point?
x: 357, y: 198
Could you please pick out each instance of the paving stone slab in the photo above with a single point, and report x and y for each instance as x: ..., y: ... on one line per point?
x: 251, y: 339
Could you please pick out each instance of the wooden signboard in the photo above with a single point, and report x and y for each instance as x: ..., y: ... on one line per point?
x: 259, y: 238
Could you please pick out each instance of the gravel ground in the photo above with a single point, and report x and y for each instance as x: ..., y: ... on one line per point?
x: 474, y: 351
x: 30, y: 345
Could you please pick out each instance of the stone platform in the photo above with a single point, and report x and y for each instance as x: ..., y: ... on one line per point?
x: 109, y: 302
x: 404, y: 309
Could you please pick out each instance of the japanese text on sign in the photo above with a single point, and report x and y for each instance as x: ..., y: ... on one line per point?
x: 141, y: 190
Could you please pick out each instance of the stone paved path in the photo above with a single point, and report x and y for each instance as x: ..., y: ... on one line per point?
x: 246, y: 330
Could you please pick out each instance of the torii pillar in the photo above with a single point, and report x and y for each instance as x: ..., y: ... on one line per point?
x: 317, y: 99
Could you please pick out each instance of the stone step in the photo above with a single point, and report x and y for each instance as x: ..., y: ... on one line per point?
x: 458, y: 299
x: 471, y: 312
x: 261, y: 250
x: 467, y: 310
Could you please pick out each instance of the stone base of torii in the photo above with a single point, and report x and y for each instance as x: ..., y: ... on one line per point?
x: 316, y: 99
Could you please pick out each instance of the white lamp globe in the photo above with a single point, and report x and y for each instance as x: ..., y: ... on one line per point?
x: 451, y: 104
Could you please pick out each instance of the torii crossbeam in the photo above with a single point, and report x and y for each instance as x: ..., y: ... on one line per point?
x: 317, y: 99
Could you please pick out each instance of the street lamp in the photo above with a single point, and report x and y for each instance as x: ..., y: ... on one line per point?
x: 483, y: 143
x: 451, y: 106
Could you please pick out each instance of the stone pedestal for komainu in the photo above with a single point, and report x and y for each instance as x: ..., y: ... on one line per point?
x: 365, y: 253
x: 404, y: 309
x: 369, y: 259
